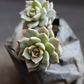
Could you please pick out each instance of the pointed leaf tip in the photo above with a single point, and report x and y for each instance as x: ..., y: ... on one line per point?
x: 43, y: 37
x: 54, y: 58
x: 31, y: 33
x: 33, y: 41
x: 55, y: 42
x: 50, y: 48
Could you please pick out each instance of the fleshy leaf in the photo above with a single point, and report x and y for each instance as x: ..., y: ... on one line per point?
x: 55, y: 42
x: 33, y: 24
x: 54, y: 58
x: 32, y: 69
x: 40, y: 52
x: 32, y: 9
x: 37, y: 10
x: 51, y: 34
x: 40, y: 45
x: 51, y: 13
x: 23, y: 43
x: 50, y: 27
x: 33, y: 41
x: 36, y: 17
x: 33, y: 55
x: 31, y: 48
x: 45, y: 4
x: 45, y: 57
x: 26, y: 18
x: 50, y: 22
x: 20, y: 55
x: 31, y: 33
x: 59, y: 51
x: 44, y: 66
x: 26, y: 54
x: 43, y: 13
x: 32, y: 14
x: 28, y: 3
x: 28, y: 10
x: 44, y: 22
x: 43, y: 37
x: 41, y: 1
x: 43, y: 30
x: 36, y: 4
x: 50, y: 48
x: 36, y: 60
x: 31, y: 64
x: 37, y: 28
x: 51, y: 5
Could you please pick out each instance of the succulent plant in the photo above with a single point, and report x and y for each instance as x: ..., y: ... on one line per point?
x: 39, y: 49
x: 38, y: 13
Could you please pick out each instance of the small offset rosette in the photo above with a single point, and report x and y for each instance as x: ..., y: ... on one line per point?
x: 39, y: 49
x: 38, y: 13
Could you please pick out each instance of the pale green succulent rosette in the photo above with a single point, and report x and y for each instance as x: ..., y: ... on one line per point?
x: 38, y: 13
x: 39, y: 49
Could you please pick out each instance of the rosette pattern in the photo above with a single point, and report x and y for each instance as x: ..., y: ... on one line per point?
x: 39, y: 49
x: 38, y: 13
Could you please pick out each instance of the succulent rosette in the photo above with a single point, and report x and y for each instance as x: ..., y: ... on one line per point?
x: 38, y: 13
x: 39, y: 49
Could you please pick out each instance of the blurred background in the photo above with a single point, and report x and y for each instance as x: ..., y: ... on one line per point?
x: 71, y: 10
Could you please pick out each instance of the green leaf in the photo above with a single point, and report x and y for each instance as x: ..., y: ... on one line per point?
x: 31, y: 33
x: 33, y: 41
x: 37, y: 10
x: 26, y: 54
x: 50, y: 48
x: 59, y: 51
x: 32, y: 9
x: 20, y: 55
x: 33, y: 55
x: 31, y: 64
x: 33, y: 24
x: 45, y: 57
x: 45, y: 4
x: 43, y: 13
x: 37, y: 28
x: 44, y: 30
x: 31, y: 48
x: 43, y: 37
x: 40, y: 52
x: 50, y: 27
x: 28, y: 3
x: 43, y: 66
x: 41, y: 1
x: 44, y: 22
x: 51, y: 13
x: 51, y: 5
x: 32, y: 14
x: 50, y: 22
x: 40, y: 45
x: 28, y: 10
x: 51, y: 34
x: 36, y: 4
x: 23, y: 43
x: 32, y: 69
x: 36, y: 60
x: 54, y: 58
x: 55, y: 42
x: 36, y: 17
x: 53, y: 18
x: 26, y: 18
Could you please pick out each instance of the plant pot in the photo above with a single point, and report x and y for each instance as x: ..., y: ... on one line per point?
x: 66, y: 72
